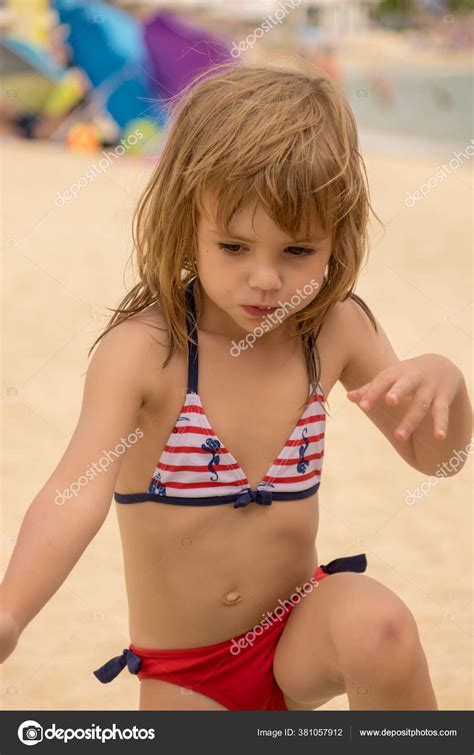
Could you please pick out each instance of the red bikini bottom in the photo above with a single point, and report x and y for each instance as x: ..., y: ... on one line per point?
x: 238, y: 673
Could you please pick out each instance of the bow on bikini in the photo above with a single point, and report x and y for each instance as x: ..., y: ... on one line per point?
x: 264, y: 497
x: 112, y: 668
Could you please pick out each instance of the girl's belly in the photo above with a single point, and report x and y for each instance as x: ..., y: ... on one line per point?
x: 196, y: 576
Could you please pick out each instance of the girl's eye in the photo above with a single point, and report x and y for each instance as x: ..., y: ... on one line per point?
x: 231, y: 248
x: 301, y: 251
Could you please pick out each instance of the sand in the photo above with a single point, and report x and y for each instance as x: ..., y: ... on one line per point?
x: 63, y: 265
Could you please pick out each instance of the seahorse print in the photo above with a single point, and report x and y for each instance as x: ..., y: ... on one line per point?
x: 303, y: 463
x: 212, y: 445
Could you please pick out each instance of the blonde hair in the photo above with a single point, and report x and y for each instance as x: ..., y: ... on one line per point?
x: 284, y: 138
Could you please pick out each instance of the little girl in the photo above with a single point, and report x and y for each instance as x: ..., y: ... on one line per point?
x: 204, y: 414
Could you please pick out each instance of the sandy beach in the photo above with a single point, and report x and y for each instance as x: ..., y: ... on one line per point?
x: 65, y: 263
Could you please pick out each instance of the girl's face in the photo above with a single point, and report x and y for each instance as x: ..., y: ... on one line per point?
x: 257, y: 267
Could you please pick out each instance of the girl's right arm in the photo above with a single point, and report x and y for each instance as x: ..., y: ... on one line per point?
x: 57, y: 529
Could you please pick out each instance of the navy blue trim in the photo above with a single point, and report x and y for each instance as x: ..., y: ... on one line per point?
x: 193, y: 356
x: 209, y: 500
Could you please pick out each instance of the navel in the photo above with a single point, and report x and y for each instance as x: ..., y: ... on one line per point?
x: 232, y: 597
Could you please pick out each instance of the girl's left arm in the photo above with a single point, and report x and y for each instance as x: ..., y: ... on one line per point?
x: 421, y: 404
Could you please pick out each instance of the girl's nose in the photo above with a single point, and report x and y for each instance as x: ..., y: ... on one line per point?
x: 265, y: 278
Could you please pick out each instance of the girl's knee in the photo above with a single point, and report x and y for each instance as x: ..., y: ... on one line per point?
x: 384, y: 644
x: 397, y: 647
x: 396, y: 627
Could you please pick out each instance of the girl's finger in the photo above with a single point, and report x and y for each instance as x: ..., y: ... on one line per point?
x: 418, y: 410
x: 404, y: 386
x: 379, y: 385
x: 360, y: 389
x: 440, y: 411
x: 400, y: 387
x: 355, y: 394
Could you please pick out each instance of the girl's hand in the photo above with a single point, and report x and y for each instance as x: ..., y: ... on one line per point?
x: 430, y: 379
x: 9, y: 635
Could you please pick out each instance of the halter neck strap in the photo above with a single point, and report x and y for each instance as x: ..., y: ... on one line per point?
x: 193, y: 358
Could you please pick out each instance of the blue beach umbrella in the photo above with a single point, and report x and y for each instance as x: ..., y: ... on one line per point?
x: 108, y: 45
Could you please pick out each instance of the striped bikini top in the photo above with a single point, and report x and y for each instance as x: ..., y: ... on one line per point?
x: 196, y: 469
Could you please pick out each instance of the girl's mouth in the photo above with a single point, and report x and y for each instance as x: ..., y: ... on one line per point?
x: 258, y: 311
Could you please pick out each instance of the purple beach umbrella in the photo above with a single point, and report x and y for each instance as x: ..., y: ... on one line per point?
x: 178, y: 51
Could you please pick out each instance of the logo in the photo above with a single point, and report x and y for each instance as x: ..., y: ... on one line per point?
x: 30, y: 732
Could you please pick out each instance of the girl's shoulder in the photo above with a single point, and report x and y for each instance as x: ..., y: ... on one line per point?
x: 139, y: 334
x: 150, y: 324
x: 339, y: 336
x: 143, y: 338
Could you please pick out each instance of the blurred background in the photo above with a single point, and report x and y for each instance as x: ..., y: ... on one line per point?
x: 87, y: 73
x: 86, y: 89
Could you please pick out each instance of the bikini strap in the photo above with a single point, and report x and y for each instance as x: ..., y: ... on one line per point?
x: 192, y: 332
x: 311, y: 350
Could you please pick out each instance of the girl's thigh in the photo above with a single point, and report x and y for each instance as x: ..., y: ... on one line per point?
x: 344, y: 626
x: 158, y: 695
